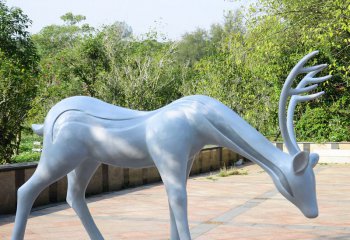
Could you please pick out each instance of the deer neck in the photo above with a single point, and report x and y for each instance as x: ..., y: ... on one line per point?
x: 233, y: 132
x: 246, y: 141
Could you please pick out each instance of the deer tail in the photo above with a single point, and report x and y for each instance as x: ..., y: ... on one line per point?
x: 38, y: 129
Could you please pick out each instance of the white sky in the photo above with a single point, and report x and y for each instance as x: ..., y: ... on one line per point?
x: 171, y: 17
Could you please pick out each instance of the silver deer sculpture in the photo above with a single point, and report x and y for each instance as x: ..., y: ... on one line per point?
x: 80, y: 133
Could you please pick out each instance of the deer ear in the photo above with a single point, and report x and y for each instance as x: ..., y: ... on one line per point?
x: 300, y: 162
x: 314, y: 157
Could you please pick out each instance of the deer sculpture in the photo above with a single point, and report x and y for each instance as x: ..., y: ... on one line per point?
x: 80, y: 133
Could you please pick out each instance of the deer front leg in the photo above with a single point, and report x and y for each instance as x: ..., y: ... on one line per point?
x: 77, y: 183
x: 45, y: 174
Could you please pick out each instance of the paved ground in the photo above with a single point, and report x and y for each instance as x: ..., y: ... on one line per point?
x: 235, y: 207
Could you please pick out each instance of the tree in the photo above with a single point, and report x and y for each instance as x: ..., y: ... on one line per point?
x: 55, y: 38
x: 143, y: 73
x: 71, y: 19
x: 229, y: 74
x: 92, y: 64
x: 193, y: 46
x: 60, y: 48
x: 301, y: 27
x: 18, y: 69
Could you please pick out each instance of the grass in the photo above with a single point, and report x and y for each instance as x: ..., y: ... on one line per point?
x: 225, y: 172
x: 212, y: 177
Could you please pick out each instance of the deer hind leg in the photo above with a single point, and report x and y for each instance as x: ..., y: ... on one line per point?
x: 174, y: 235
x: 78, y: 180
x: 45, y: 174
x: 173, y: 170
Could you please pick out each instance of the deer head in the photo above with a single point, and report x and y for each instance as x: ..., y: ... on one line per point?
x: 299, y: 187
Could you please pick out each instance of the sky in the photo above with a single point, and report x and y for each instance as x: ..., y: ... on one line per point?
x: 171, y: 17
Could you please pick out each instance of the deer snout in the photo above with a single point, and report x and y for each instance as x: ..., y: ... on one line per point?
x: 313, y: 214
x: 310, y: 211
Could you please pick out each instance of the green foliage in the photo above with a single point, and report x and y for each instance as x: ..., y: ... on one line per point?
x: 193, y: 47
x: 15, y: 41
x: 109, y: 64
x: 90, y: 64
x: 18, y: 68
x: 250, y: 60
x: 231, y: 75
x: 242, y: 62
x: 322, y: 125
x: 26, y: 157
x: 64, y: 64
x: 301, y: 27
x: 53, y: 39
x: 138, y: 68
x: 72, y: 19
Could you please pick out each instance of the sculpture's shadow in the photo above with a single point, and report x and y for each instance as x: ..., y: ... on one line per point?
x: 61, y: 206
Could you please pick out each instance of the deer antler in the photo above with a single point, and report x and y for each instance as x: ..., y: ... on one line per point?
x: 286, y: 121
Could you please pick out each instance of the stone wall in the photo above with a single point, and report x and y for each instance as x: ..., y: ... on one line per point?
x: 106, y: 178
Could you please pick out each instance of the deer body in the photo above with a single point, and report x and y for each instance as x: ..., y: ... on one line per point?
x: 121, y: 140
x: 80, y: 133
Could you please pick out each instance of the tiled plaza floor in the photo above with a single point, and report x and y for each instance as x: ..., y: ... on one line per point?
x: 235, y: 207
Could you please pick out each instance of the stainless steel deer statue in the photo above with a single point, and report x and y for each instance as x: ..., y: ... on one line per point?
x: 80, y: 133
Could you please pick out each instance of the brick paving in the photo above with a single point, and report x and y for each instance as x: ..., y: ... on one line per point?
x: 235, y: 207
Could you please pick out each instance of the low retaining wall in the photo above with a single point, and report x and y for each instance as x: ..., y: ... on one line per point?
x: 306, y: 146
x: 106, y: 178
x: 328, y: 152
x: 109, y: 178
